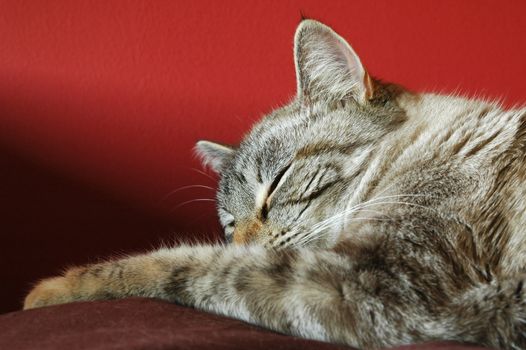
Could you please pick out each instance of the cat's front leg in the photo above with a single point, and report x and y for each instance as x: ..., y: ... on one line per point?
x: 150, y: 275
x: 132, y: 276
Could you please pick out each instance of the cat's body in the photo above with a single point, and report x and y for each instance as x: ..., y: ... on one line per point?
x: 362, y: 214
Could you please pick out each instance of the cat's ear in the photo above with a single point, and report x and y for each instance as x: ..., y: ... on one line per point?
x: 213, y: 154
x: 327, y: 67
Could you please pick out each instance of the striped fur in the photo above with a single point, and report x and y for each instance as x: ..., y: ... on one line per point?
x: 361, y: 213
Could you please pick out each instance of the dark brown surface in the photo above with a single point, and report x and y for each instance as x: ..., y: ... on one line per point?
x: 138, y: 323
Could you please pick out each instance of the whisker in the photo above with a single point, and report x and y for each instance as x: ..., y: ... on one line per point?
x: 203, y: 173
x: 192, y: 201
x: 386, y: 189
x: 374, y: 200
x: 323, y: 225
x: 184, y: 188
x: 390, y: 196
x: 328, y: 222
x: 405, y: 203
x: 311, y: 237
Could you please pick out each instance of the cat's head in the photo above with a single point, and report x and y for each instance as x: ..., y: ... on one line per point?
x: 291, y: 180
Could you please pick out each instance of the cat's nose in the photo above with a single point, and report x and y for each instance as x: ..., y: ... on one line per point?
x: 247, y: 231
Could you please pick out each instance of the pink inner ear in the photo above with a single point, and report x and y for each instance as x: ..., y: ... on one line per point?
x: 356, y: 69
x: 352, y: 58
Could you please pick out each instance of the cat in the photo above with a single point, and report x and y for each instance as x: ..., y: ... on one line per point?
x: 360, y: 213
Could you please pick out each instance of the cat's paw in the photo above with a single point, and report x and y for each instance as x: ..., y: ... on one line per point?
x: 52, y: 291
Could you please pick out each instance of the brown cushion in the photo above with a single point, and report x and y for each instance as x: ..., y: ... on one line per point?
x: 138, y: 323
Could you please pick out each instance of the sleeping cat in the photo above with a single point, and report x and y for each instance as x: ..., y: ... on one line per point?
x: 360, y: 213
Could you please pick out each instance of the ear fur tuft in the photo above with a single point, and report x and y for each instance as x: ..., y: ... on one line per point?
x: 326, y: 66
x: 213, y: 154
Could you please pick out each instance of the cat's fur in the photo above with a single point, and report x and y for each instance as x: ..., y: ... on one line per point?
x: 362, y: 214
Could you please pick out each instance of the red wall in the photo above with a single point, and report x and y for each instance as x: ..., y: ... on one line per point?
x: 102, y: 101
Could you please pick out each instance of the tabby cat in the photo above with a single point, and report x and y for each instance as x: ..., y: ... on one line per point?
x: 360, y: 213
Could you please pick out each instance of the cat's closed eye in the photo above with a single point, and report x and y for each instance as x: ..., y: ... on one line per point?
x: 278, y: 180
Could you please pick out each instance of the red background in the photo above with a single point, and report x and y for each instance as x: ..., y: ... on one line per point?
x: 101, y: 103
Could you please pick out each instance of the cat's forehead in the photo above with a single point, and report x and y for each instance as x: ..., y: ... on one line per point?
x: 269, y: 146
x: 297, y: 126
x: 273, y: 141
